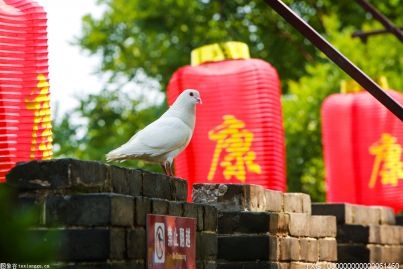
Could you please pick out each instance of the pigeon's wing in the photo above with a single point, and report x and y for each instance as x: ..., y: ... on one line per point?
x: 165, y: 135
x: 160, y: 137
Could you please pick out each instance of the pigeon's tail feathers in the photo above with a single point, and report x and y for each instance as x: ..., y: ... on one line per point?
x: 116, y: 155
x: 128, y: 151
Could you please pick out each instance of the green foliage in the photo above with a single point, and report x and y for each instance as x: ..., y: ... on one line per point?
x: 18, y: 243
x: 133, y: 38
x: 106, y: 121
x: 157, y: 36
x: 380, y: 56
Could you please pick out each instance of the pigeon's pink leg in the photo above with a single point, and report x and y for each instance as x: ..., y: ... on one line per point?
x: 164, y: 168
x: 170, y: 169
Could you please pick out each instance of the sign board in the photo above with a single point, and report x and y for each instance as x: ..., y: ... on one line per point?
x: 171, y: 242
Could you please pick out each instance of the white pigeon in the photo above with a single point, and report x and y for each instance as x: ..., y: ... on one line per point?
x: 162, y: 140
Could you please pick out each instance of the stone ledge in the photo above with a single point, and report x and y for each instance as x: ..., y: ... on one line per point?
x: 73, y: 176
x: 238, y: 197
x: 356, y: 214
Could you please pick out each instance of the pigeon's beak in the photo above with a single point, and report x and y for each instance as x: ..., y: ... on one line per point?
x: 198, y: 100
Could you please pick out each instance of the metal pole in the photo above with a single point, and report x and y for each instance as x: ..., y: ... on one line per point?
x: 364, y: 35
x: 381, y: 18
x: 338, y: 58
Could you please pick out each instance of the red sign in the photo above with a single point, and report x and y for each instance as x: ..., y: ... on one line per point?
x: 171, y: 242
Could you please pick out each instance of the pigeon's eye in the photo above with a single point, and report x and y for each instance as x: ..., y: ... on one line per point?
x: 191, y: 93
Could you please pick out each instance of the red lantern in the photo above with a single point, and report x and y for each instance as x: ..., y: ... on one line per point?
x: 25, y: 116
x: 239, y: 135
x: 363, y: 144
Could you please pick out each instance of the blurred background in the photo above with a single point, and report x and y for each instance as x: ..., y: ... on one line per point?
x: 110, y: 61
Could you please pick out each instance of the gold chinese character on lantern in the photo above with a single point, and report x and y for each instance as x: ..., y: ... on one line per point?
x: 387, y: 164
x: 39, y: 103
x: 233, y: 150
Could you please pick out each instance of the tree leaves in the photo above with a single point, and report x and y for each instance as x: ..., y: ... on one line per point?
x: 146, y: 41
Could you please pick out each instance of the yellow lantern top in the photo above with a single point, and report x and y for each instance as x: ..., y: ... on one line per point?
x: 219, y: 52
x: 350, y: 86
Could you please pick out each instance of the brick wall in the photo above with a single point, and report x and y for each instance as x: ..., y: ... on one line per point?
x: 365, y: 233
x: 260, y: 228
x: 98, y: 212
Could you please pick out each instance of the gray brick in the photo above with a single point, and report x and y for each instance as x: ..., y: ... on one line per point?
x: 349, y: 213
x: 275, y: 252
x: 300, y: 265
x: 208, y: 193
x: 279, y: 265
x: 384, y: 234
x: 366, y: 215
x: 284, y: 248
x: 190, y: 210
x: 290, y: 249
x: 306, y: 203
x: 299, y: 224
x: 102, y: 265
x: 279, y: 223
x: 210, y: 218
x: 373, y: 234
x: 38, y: 243
x: 254, y: 199
x: 117, y: 243
x: 327, y: 249
x: 236, y: 197
x: 243, y: 247
x: 122, y: 210
x: 200, y: 217
x: 209, y: 265
x: 159, y: 206
x: 274, y: 200
x: 142, y: 207
x: 34, y: 206
x: 206, y: 246
x: 175, y: 208
x: 89, y: 174
x: 126, y: 181
x: 387, y: 215
x: 297, y: 203
x: 136, y: 243
x: 193, y: 210
x: 156, y: 186
x: 322, y: 226
x: 350, y: 233
x: 323, y: 264
x: 53, y: 174
x: 352, y: 253
x: 179, y: 189
x: 247, y: 265
x: 73, y: 175
x: 90, y: 210
x: 385, y: 253
x: 400, y: 231
x: 338, y: 210
x: 243, y: 222
x: 309, y: 249
x: 87, y: 245
x: 199, y: 264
